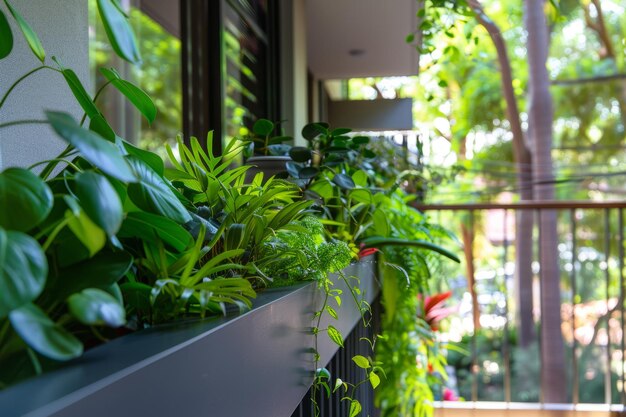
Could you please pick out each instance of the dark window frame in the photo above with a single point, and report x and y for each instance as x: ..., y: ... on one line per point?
x: 204, y: 66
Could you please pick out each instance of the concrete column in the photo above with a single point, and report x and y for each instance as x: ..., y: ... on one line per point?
x: 294, y: 97
x: 62, y: 26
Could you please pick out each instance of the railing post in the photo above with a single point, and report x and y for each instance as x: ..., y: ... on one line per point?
x: 575, y: 382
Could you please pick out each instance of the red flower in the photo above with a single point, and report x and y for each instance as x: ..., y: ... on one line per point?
x: 367, y: 252
x: 434, y: 311
x: 449, y: 395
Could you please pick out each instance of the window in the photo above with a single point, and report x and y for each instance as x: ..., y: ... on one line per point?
x: 156, y: 24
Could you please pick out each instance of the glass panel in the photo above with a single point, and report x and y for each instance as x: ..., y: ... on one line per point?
x: 159, y: 74
x: 255, y: 9
x: 246, y: 73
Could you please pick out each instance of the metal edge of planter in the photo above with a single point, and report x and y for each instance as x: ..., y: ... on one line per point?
x: 259, y: 363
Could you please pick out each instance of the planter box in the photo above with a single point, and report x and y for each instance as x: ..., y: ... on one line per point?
x: 255, y: 364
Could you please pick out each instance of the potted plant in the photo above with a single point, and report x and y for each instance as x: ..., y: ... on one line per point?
x: 267, y: 153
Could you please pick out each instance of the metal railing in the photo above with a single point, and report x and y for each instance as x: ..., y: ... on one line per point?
x: 590, y: 257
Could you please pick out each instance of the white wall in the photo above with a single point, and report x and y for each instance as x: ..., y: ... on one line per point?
x: 62, y: 26
x: 294, y: 98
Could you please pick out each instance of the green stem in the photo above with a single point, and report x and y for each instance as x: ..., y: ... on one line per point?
x: 57, y: 160
x: 4, y: 330
x: 34, y: 360
x: 19, y: 80
x: 54, y: 234
x: 53, y: 163
x: 98, y: 335
x: 23, y: 122
x: 100, y: 90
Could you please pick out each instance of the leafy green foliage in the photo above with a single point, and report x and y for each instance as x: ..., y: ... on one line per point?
x: 263, y: 142
x: 29, y: 34
x: 118, y: 30
x: 93, y: 306
x: 43, y: 335
x: 303, y: 253
x: 100, y: 201
x: 6, y: 36
x: 134, y: 94
x: 23, y: 270
x: 25, y: 198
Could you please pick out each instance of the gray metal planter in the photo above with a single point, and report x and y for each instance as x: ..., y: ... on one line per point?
x: 256, y: 364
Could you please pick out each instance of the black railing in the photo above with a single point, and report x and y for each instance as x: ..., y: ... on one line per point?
x: 590, y: 242
x: 342, y: 366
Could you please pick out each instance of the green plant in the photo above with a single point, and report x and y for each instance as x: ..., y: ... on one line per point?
x: 100, y: 235
x: 263, y: 142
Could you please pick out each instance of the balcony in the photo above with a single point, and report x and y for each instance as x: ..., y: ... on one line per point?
x: 500, y: 373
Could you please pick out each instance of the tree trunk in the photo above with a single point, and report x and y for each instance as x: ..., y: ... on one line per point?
x: 522, y: 156
x: 553, y: 371
x: 468, y: 251
x: 607, y: 50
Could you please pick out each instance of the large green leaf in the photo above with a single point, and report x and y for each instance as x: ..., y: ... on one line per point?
x: 100, y: 201
x: 153, y: 160
x: 134, y: 94
x: 95, y: 149
x: 29, y: 34
x: 378, y: 241
x: 89, y: 234
x: 6, y: 36
x: 94, y: 306
x: 23, y: 270
x: 152, y: 193
x: 83, y: 98
x: 118, y: 30
x: 98, y: 124
x: 43, y: 335
x: 150, y: 226
x: 100, y: 271
x: 25, y: 199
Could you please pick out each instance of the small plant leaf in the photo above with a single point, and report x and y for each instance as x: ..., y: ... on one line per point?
x: 118, y: 30
x: 134, y: 94
x: 361, y: 361
x: 344, y: 181
x: 6, y: 36
x: 26, y: 200
x: 300, y: 154
x: 100, y: 201
x: 338, y: 384
x: 94, y: 306
x: 263, y: 127
x: 308, y: 172
x: 23, y: 270
x: 83, y: 98
x: 313, y: 130
x: 89, y: 234
x: 332, y: 312
x: 335, y: 336
x: 322, y: 373
x: 43, y: 335
x: 29, y: 34
x: 374, y: 380
x: 355, y: 408
x: 95, y: 149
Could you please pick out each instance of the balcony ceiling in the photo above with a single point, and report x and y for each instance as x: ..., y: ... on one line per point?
x: 375, y: 27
